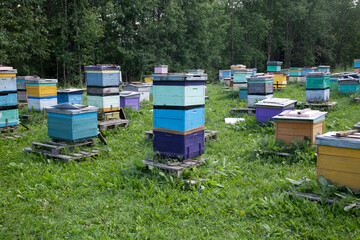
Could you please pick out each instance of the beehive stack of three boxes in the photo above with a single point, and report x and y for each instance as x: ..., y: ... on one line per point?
x: 21, y: 87
x: 280, y: 78
x: 9, y: 113
x: 41, y: 93
x: 295, y: 74
x: 317, y: 87
x: 240, y: 77
x: 356, y: 65
x: 260, y: 87
x: 179, y: 106
x: 103, y: 81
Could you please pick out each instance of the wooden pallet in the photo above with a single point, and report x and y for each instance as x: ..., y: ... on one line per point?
x: 9, y: 129
x: 54, y: 149
x: 327, y: 105
x: 226, y: 89
x: 108, y: 125
x: 4, y: 138
x: 102, y: 116
x: 211, y: 135
x: 176, y: 167
x: 249, y: 111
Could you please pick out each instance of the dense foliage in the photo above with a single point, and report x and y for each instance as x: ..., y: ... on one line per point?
x: 56, y: 38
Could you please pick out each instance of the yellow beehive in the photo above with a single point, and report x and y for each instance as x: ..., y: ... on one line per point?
x: 147, y: 78
x: 41, y: 91
x: 280, y: 80
x: 339, y: 159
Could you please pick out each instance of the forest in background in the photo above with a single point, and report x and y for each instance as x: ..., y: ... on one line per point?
x: 57, y: 38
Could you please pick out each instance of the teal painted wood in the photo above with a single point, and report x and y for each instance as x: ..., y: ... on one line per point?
x: 179, y: 120
x: 334, y: 85
x: 104, y: 102
x: 7, y: 100
x: 179, y: 95
x: 241, y: 77
x: 9, y: 117
x: 317, y: 82
x: 243, y: 94
x: 329, y: 139
x: 349, y: 88
x: 8, y: 84
x: 72, y: 127
x: 103, y: 78
x: 273, y: 68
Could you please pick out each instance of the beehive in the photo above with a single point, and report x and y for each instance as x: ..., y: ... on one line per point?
x: 104, y: 104
x: 161, y: 69
x: 72, y: 122
x: 317, y: 87
x: 268, y: 108
x: 147, y: 78
x: 243, y: 93
x: 103, y: 76
x: 356, y: 65
x: 108, y: 91
x: 339, y: 159
x: 299, y: 124
x: 306, y: 70
x: 260, y: 87
x: 241, y: 75
x: 334, y: 81
x: 348, y: 85
x: 21, y: 87
x: 71, y: 95
x: 41, y: 93
x: 295, y: 72
x: 274, y: 66
x: 143, y: 89
x: 280, y: 80
x: 179, y: 115
x: 8, y: 79
x: 9, y: 116
x: 130, y: 100
x: 324, y: 68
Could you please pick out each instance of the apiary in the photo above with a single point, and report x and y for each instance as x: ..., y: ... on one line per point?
x: 297, y: 125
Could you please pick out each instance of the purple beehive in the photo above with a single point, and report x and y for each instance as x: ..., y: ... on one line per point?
x: 130, y: 99
x: 268, y: 108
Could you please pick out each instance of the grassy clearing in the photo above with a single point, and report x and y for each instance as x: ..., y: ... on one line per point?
x: 237, y: 194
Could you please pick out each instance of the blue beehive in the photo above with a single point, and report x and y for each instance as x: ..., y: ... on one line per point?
x: 8, y: 99
x: 179, y: 114
x: 103, y: 75
x: 72, y: 96
x: 72, y: 122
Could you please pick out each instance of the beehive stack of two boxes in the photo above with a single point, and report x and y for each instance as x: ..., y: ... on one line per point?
x: 21, y: 87
x: 305, y: 71
x: 280, y: 78
x: 71, y: 95
x: 334, y: 85
x: 338, y: 158
x: 348, y: 85
x: 295, y: 74
x: 317, y: 87
x: 72, y: 123
x: 41, y: 93
x: 240, y: 82
x: 260, y: 87
x: 9, y: 113
x: 356, y: 65
x: 268, y: 108
x: 103, y: 83
x: 297, y: 125
x: 179, y: 106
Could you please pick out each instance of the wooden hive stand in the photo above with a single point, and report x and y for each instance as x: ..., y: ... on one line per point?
x: 176, y: 167
x: 64, y: 151
x: 114, y: 123
x: 7, y: 133
x: 249, y: 111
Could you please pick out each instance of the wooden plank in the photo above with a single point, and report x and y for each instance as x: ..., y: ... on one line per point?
x: 345, y: 133
x: 340, y: 178
x: 339, y: 163
x: 149, y: 135
x: 211, y: 135
x: 338, y: 151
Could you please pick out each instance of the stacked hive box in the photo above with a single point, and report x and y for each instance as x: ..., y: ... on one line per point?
x: 179, y: 101
x: 334, y: 81
x: 338, y: 159
x: 274, y: 66
x: 348, y: 85
x: 21, y: 87
x: 299, y: 124
x: 268, y: 108
x: 142, y: 89
x: 236, y: 67
x: 317, y: 87
x: 9, y: 113
x: 240, y: 81
x: 260, y: 87
x: 71, y: 95
x: 72, y: 122
x: 323, y: 68
x: 41, y: 93
x: 103, y: 88
x: 295, y: 74
x: 280, y: 80
x: 356, y: 65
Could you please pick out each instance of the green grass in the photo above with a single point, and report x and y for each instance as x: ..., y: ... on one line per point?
x: 237, y: 194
